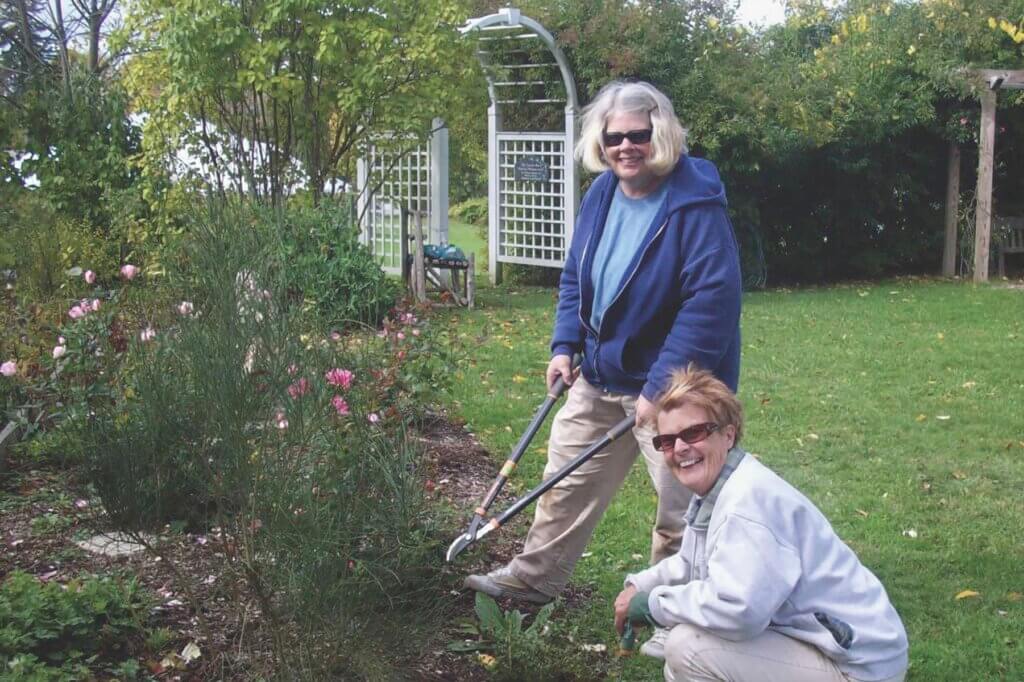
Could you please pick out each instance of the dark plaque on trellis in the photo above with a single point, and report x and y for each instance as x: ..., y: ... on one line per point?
x: 532, y: 169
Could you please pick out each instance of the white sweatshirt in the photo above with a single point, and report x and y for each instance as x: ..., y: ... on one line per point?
x: 770, y: 559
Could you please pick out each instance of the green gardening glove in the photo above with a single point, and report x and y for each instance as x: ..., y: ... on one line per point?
x: 639, y: 612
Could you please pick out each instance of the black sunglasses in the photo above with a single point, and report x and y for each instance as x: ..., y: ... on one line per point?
x: 634, y: 136
x: 690, y: 435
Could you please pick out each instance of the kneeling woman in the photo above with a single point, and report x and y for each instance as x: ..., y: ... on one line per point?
x: 763, y: 588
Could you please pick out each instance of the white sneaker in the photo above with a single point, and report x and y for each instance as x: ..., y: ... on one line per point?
x: 655, y: 646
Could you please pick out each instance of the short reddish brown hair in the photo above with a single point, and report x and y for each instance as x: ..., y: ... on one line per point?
x: 701, y: 388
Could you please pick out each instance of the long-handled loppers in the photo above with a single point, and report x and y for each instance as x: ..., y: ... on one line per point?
x: 476, y: 532
x: 557, y: 389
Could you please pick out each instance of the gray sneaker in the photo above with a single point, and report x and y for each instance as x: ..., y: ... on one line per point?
x: 655, y: 646
x: 501, y: 583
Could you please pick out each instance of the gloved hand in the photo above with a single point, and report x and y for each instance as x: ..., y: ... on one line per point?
x: 639, y: 612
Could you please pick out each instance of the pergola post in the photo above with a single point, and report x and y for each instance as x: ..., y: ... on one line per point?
x: 952, y: 210
x: 983, y: 213
x: 988, y: 83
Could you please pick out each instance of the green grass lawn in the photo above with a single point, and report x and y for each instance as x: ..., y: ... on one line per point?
x: 467, y: 237
x: 896, y: 407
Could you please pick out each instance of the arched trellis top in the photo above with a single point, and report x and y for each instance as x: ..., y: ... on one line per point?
x: 509, y: 18
x: 532, y: 192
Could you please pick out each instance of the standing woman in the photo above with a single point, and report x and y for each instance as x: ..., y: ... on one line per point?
x: 651, y: 283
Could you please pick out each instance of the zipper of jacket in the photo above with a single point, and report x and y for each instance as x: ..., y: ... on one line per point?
x: 586, y: 325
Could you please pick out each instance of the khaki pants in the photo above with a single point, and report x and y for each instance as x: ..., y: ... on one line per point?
x: 568, y: 513
x: 693, y: 654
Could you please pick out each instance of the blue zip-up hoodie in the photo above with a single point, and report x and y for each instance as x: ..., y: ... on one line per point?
x: 679, y: 301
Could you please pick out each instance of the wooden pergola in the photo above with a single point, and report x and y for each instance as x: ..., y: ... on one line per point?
x: 987, y: 84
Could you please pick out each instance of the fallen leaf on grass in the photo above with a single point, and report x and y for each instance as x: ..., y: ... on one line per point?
x: 921, y: 417
x: 967, y: 594
x: 959, y: 475
x: 812, y: 436
x: 518, y: 378
x: 942, y: 417
x: 910, y: 533
x: 1015, y: 596
x: 968, y: 384
x: 862, y: 513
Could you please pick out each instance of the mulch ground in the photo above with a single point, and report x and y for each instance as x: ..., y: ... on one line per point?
x: 43, y: 513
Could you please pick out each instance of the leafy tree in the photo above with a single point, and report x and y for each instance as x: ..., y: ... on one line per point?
x: 274, y: 95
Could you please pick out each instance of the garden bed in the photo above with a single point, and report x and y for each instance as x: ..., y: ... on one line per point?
x: 45, y: 512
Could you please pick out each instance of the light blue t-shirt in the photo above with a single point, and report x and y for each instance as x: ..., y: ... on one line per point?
x: 624, y: 231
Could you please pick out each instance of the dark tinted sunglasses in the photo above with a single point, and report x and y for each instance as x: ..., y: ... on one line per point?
x: 634, y: 136
x: 690, y: 435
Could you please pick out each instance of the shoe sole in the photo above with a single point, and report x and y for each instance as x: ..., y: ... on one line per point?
x: 498, y: 592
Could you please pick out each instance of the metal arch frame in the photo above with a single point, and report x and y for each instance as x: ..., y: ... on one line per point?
x: 511, y: 17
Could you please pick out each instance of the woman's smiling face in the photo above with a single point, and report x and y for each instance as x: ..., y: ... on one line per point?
x: 695, y: 465
x: 629, y: 161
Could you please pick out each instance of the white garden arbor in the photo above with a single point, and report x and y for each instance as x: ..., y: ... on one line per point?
x: 532, y: 188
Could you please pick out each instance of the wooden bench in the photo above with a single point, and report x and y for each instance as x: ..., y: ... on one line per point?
x: 420, y: 271
x: 1009, y: 233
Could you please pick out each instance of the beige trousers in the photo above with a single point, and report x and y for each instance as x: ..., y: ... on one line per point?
x: 567, y: 514
x: 693, y: 654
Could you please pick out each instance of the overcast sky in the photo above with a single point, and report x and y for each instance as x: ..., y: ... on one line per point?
x: 761, y: 11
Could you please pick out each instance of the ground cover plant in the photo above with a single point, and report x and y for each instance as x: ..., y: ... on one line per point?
x: 894, y: 406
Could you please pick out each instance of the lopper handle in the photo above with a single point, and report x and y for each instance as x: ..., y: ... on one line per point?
x: 617, y: 431
x: 557, y: 389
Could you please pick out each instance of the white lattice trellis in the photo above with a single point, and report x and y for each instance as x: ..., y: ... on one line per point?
x: 531, y: 214
x: 391, y: 178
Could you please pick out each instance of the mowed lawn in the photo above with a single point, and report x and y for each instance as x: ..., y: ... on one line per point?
x: 897, y: 407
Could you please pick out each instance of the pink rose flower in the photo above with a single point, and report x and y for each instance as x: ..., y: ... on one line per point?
x: 335, y: 336
x: 9, y: 368
x: 185, y: 308
x: 299, y: 388
x: 963, y: 121
x: 128, y: 271
x: 415, y: 332
x: 94, y: 304
x: 400, y: 336
x: 76, y: 312
x: 340, y: 406
x: 147, y: 334
x: 339, y: 377
x: 373, y: 417
x: 61, y: 341
x: 59, y: 351
x: 89, y: 277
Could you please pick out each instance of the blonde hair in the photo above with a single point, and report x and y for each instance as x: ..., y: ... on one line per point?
x: 668, y: 139
x: 700, y: 388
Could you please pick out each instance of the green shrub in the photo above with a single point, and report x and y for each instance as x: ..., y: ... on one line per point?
x: 326, y: 266
x: 84, y: 246
x: 471, y: 211
x: 58, y: 632
x: 28, y: 243
x: 229, y: 420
